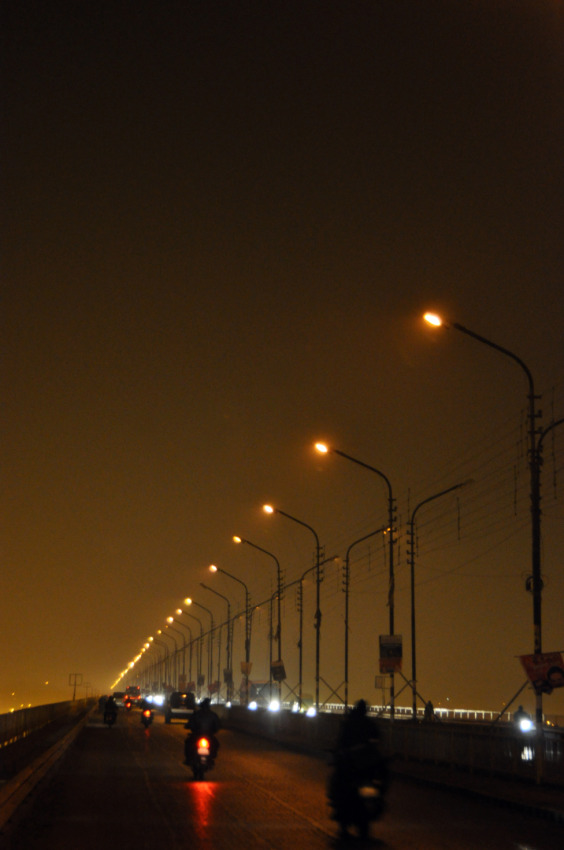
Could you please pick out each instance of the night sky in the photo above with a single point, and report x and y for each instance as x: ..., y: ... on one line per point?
x: 222, y: 224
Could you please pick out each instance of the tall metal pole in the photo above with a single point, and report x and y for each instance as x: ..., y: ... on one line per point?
x: 229, y: 681
x: 412, y: 577
x: 190, y: 601
x: 317, y: 620
x: 237, y: 539
x: 536, y: 577
x: 347, y: 586
x: 248, y: 625
x: 391, y: 523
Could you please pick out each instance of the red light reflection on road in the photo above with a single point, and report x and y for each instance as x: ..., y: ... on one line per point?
x: 203, y: 798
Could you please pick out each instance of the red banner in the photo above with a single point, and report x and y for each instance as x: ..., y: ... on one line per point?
x: 545, y: 671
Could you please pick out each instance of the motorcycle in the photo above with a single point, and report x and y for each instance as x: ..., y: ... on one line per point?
x: 199, y: 754
x: 146, y: 717
x: 357, y: 788
x: 110, y: 717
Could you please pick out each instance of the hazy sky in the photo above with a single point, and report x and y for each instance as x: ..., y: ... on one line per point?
x: 222, y: 222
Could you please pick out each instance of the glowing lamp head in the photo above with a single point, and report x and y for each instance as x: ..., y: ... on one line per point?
x: 170, y: 619
x: 179, y: 610
x: 268, y: 509
x: 433, y: 319
x: 321, y: 448
x: 213, y: 568
x: 237, y: 539
x: 187, y: 601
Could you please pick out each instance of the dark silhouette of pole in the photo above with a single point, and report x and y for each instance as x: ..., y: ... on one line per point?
x: 534, y: 469
x: 347, y: 588
x: 279, y: 594
x: 411, y: 555
x: 248, y: 626
x: 190, y: 601
x: 317, y: 621
x: 321, y: 447
x: 201, y: 641
x: 229, y: 682
x: 189, y: 630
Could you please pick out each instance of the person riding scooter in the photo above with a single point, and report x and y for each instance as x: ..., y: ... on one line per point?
x: 357, y: 761
x: 110, y: 711
x: 204, y: 721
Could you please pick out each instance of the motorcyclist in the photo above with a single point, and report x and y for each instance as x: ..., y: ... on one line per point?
x: 110, y: 708
x: 357, y: 759
x: 204, y: 721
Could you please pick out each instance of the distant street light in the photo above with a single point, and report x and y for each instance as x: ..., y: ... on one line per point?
x: 347, y: 589
x: 174, y: 657
x: 237, y: 539
x: 201, y: 646
x: 534, y: 467
x: 189, y: 630
x: 214, y: 569
x: 411, y: 555
x: 171, y: 620
x: 189, y: 601
x: 324, y: 449
x: 317, y: 622
x: 229, y: 671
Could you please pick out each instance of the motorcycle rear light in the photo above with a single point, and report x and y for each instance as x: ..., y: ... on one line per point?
x: 203, y: 746
x: 147, y: 712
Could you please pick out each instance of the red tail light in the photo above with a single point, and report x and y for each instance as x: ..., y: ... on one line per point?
x: 203, y: 745
x: 147, y: 712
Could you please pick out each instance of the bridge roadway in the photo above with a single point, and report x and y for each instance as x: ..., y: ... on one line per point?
x: 126, y: 787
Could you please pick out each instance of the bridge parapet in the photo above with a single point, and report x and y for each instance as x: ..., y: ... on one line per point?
x: 497, y: 750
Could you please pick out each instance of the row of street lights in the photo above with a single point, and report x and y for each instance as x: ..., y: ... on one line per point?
x: 535, y: 438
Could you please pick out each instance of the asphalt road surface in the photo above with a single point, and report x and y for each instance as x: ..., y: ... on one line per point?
x: 127, y: 787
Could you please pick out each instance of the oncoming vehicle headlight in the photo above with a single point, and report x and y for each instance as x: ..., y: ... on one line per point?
x: 252, y: 706
x: 274, y: 705
x: 158, y: 699
x: 311, y: 712
x: 526, y: 724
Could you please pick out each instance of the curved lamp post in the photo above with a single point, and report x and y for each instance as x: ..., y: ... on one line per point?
x: 171, y: 620
x: 175, y: 657
x: 324, y: 449
x: 534, y: 468
x: 166, y: 665
x: 189, y: 630
x: 347, y: 588
x: 229, y: 672
x: 411, y: 555
x: 214, y: 569
x: 190, y: 601
x: 317, y: 622
x: 200, y: 649
x: 279, y: 594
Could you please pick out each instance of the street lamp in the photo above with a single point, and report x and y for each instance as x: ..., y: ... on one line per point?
x: 317, y: 622
x: 175, y: 657
x: 189, y: 601
x: 279, y: 594
x: 411, y: 555
x: 166, y: 663
x: 200, y: 650
x: 324, y: 449
x: 189, y: 630
x: 534, y: 468
x: 171, y: 620
x: 229, y: 672
x: 214, y: 569
x: 347, y: 589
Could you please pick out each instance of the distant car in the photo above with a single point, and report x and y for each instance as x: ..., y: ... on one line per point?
x: 133, y: 693
x: 119, y: 697
x: 179, y: 705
